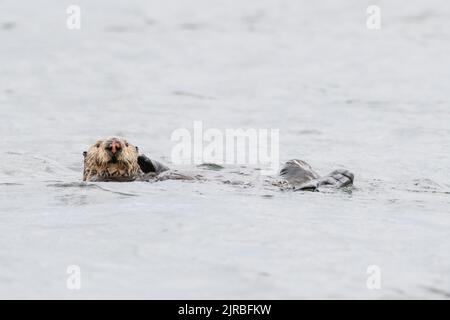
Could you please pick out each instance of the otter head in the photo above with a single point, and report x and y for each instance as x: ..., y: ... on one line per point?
x: 111, y: 159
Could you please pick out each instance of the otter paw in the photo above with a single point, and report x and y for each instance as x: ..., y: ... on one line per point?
x: 145, y: 163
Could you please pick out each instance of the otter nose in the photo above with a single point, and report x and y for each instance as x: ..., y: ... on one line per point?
x: 114, y: 147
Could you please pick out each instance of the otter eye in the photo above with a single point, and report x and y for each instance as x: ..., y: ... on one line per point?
x: 98, y: 145
x: 126, y: 144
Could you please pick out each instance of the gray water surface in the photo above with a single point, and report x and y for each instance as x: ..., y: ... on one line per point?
x: 343, y: 96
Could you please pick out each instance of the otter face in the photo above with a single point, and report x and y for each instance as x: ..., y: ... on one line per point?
x: 111, y: 159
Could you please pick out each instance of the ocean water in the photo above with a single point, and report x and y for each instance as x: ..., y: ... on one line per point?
x: 373, y: 101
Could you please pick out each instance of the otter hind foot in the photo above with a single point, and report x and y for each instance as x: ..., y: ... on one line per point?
x: 148, y: 165
x: 301, y: 176
x: 339, y: 178
x: 297, y: 172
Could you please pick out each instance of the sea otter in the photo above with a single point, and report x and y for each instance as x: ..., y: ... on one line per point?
x: 115, y: 159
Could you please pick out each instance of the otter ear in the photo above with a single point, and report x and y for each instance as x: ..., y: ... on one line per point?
x: 137, y: 149
x: 84, y: 154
